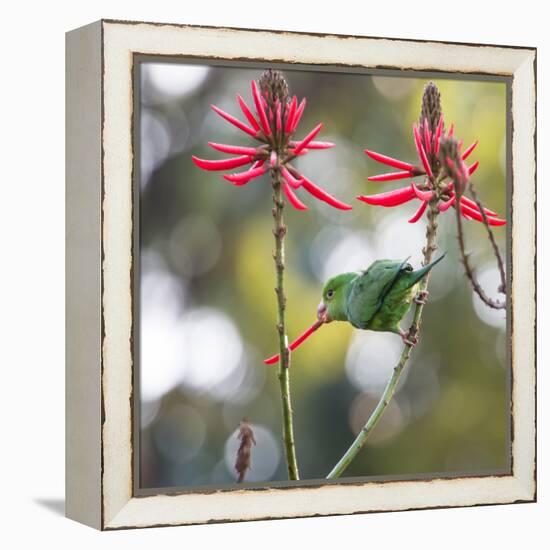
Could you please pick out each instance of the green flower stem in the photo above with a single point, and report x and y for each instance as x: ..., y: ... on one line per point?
x: 357, y: 445
x: 279, y: 232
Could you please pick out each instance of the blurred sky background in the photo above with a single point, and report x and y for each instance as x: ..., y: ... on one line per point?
x: 208, y: 307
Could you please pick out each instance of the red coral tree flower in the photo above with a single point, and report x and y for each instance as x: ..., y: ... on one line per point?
x: 446, y: 175
x: 273, y: 124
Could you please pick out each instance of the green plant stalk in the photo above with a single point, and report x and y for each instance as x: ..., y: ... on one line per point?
x: 279, y: 231
x: 360, y: 440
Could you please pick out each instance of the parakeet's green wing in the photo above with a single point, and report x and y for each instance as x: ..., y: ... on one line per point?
x: 369, y: 289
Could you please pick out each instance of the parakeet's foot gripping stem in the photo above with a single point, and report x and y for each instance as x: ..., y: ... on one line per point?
x: 421, y: 297
x: 275, y: 358
x: 408, y: 338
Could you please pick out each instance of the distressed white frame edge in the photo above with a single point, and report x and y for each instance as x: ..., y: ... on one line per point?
x: 119, y: 508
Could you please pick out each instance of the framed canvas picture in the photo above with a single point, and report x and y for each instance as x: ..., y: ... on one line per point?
x: 300, y: 274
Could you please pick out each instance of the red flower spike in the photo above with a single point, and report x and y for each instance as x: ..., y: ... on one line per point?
x: 290, y: 114
x: 224, y: 164
x: 419, y: 212
x: 248, y: 175
x: 389, y: 160
x: 427, y: 137
x: 421, y: 151
x: 444, y: 206
x: 473, y: 168
x: 294, y: 182
x: 422, y: 195
x: 260, y: 109
x: 438, y: 135
x: 468, y: 151
x: 318, y: 193
x: 235, y: 121
x: 298, y: 115
x: 292, y: 198
x: 391, y: 176
x: 296, y: 343
x: 302, y: 144
x: 233, y: 149
x: 390, y: 198
x: 248, y: 113
x: 476, y: 215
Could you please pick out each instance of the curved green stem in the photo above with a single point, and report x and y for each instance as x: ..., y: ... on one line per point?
x: 360, y: 440
x: 279, y: 232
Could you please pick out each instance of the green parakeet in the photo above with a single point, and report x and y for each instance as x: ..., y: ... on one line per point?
x: 374, y: 299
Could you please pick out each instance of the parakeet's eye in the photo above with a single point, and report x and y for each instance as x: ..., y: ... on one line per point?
x: 330, y: 293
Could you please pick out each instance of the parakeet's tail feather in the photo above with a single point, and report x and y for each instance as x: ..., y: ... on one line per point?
x: 419, y: 273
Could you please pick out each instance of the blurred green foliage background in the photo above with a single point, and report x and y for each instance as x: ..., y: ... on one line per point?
x: 208, y: 306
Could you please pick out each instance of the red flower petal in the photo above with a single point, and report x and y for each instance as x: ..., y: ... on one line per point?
x: 444, y: 206
x: 476, y: 215
x: 389, y: 160
x: 245, y: 177
x: 298, y: 115
x: 390, y: 198
x: 290, y: 114
x: 235, y: 121
x: 473, y: 168
x: 296, y: 343
x: 315, y: 144
x: 302, y: 144
x: 318, y: 193
x: 260, y: 109
x: 391, y: 176
x: 468, y: 151
x: 224, y: 164
x: 419, y: 212
x: 438, y: 135
x: 233, y: 149
x: 248, y: 113
x: 451, y: 131
x: 422, y: 195
x: 292, y: 198
x: 473, y: 204
x: 294, y: 182
x: 421, y: 151
x: 279, y: 123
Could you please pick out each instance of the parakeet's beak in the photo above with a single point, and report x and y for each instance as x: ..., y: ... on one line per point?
x: 322, y: 313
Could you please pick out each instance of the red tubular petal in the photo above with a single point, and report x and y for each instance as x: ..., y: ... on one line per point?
x: 476, y: 215
x: 391, y: 176
x: 390, y: 198
x: 248, y: 113
x: 245, y: 177
x: 438, y: 135
x: 278, y: 119
x: 235, y: 121
x: 419, y: 212
x: 451, y: 131
x: 427, y: 137
x: 389, y: 160
x: 473, y: 168
x: 468, y: 151
x: 422, y: 195
x: 292, y: 198
x: 318, y: 193
x: 316, y: 144
x: 444, y: 206
x: 298, y: 115
x: 290, y: 114
x: 304, y: 143
x: 304, y: 336
x: 421, y: 151
x: 294, y: 182
x: 260, y: 109
x: 233, y: 149
x: 224, y: 164
x: 472, y: 204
